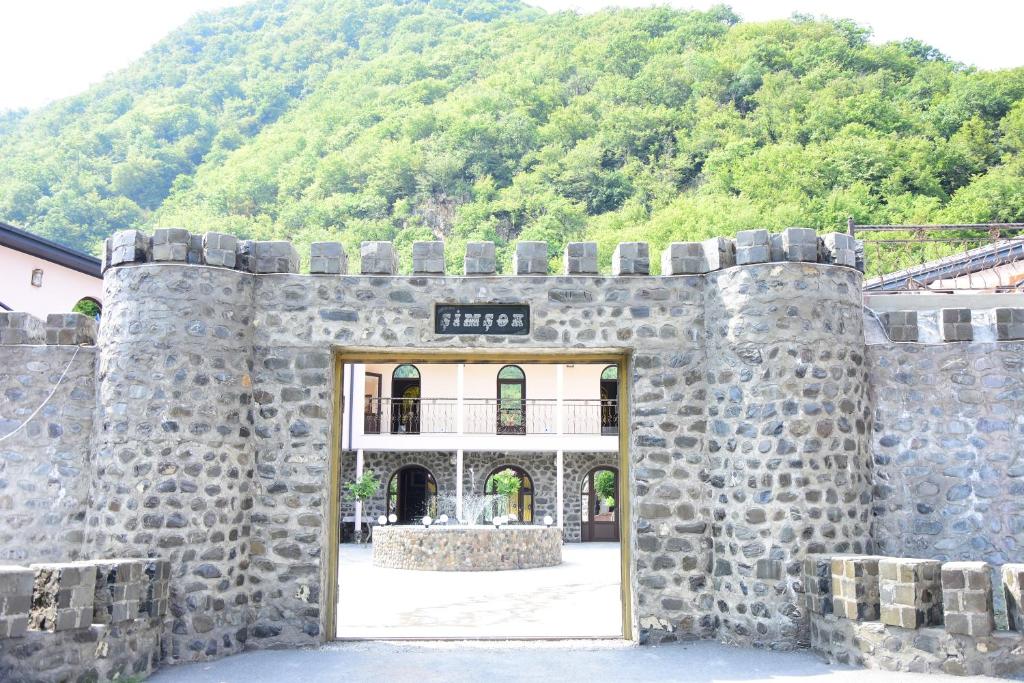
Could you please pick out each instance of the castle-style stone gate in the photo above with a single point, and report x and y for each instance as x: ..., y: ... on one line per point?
x: 755, y: 439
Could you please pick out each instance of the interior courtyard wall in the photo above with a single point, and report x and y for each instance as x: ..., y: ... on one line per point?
x: 576, y: 466
x: 384, y: 464
x: 173, y: 456
x: 540, y: 467
x: 46, y: 466
x: 787, y: 438
x: 948, y: 446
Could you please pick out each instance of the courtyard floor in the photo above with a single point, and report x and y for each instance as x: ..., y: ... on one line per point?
x: 458, y: 662
x: 576, y: 599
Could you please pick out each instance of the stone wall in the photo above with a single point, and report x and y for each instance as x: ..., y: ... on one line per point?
x: 539, y: 466
x: 45, y: 467
x: 384, y: 465
x: 948, y: 447
x: 466, y: 548
x: 576, y: 466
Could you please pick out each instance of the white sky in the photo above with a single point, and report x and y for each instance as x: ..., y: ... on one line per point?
x: 55, y: 48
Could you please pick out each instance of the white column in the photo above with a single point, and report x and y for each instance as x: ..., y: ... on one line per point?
x: 559, y: 481
x: 460, y: 402
x: 458, y: 483
x: 559, y: 402
x: 359, y: 506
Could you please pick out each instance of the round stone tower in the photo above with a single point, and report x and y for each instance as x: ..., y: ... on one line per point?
x: 173, y: 458
x: 787, y: 437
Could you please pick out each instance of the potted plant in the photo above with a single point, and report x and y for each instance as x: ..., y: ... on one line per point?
x: 507, y: 483
x: 361, y: 490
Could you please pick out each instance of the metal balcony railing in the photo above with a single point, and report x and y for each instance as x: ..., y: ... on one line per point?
x: 490, y: 416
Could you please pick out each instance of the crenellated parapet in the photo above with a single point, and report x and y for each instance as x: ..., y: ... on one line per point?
x: 59, y: 329
x: 919, y: 615
x: 177, y: 245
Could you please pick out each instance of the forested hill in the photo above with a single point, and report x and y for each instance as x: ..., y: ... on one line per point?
x: 405, y: 120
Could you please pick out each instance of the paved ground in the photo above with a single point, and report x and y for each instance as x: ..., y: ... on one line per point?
x: 600, y: 661
x: 579, y: 598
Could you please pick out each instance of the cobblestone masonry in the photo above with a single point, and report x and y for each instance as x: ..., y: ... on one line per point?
x: 787, y: 438
x: 749, y: 446
x: 386, y: 464
x: 45, y: 468
x: 466, y: 548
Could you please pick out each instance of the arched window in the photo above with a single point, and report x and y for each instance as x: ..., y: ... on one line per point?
x: 610, y: 400
x: 412, y: 493
x: 88, y: 306
x: 519, y: 499
x: 511, y: 403
x: 405, y: 400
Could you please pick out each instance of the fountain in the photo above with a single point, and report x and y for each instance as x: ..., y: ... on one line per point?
x: 482, y: 540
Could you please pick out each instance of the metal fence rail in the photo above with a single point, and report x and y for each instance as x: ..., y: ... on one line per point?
x: 489, y: 416
x: 980, y: 257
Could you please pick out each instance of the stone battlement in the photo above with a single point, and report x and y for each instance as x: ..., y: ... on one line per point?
x: 918, y: 615
x: 177, y: 245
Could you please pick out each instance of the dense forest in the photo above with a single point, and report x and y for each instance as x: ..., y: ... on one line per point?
x: 417, y: 119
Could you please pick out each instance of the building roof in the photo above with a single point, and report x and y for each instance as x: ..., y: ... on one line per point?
x: 40, y: 247
x: 974, y: 261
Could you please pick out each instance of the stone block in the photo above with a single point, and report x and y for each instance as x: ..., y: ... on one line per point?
x: 15, y: 600
x: 118, y: 591
x: 956, y: 324
x: 156, y: 588
x: 70, y: 329
x: 967, y: 598
x: 428, y: 258
x: 63, y: 595
x: 683, y: 258
x: 1009, y: 324
x: 631, y: 258
x: 855, y: 587
x: 859, y: 254
x: 17, y: 327
x: 105, y: 256
x: 839, y: 249
x: 800, y: 244
x: 775, y: 248
x: 171, y: 244
x: 910, y: 591
x: 378, y: 258
x: 900, y: 326
x: 195, y: 250
x: 277, y: 256
x: 1013, y: 591
x: 580, y: 258
x: 128, y: 246
x: 480, y: 259
x: 328, y: 258
x: 719, y: 252
x: 531, y: 258
x: 817, y: 576
x: 753, y: 246
x: 220, y: 249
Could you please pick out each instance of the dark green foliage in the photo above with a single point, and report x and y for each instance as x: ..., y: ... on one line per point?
x: 372, y: 119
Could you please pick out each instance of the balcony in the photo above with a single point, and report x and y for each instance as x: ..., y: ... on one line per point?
x: 507, y: 417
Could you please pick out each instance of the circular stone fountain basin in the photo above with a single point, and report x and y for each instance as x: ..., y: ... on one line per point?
x: 466, y: 548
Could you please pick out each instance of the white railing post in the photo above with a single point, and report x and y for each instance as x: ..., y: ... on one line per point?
x: 460, y: 399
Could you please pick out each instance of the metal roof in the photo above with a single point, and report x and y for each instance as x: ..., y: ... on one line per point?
x: 973, y: 261
x: 40, y: 247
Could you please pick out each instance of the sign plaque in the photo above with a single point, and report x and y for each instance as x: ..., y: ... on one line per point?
x: 492, y: 319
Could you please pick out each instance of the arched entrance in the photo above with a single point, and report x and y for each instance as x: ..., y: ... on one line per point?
x: 405, y: 400
x: 599, y: 500
x: 609, y: 400
x: 412, y: 493
x: 511, y: 418
x: 520, y: 503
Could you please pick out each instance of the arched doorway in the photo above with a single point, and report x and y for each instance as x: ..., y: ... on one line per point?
x: 412, y: 493
x: 520, y: 503
x: 610, y: 400
x: 89, y: 307
x: 511, y: 418
x: 405, y: 400
x: 599, y: 500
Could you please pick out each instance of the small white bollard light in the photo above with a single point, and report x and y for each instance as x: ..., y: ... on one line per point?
x: 427, y: 521
x: 382, y: 520
x: 392, y: 518
x: 443, y: 519
x: 496, y: 522
x: 548, y: 521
